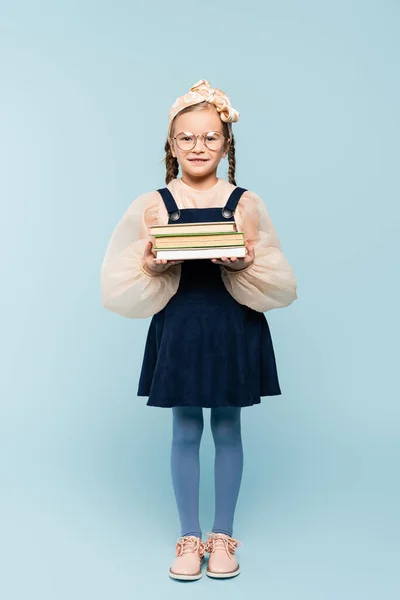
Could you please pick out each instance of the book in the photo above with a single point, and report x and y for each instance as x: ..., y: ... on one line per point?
x: 198, y: 253
x: 189, y: 228
x: 227, y: 235
x: 198, y: 241
x: 187, y: 245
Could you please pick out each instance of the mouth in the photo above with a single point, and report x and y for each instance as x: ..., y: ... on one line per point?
x: 199, y: 161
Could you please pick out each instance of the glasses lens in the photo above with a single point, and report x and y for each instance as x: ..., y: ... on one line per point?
x: 185, y: 141
x: 214, y: 140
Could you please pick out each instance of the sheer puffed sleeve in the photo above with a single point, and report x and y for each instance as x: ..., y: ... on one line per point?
x: 269, y: 282
x: 127, y: 288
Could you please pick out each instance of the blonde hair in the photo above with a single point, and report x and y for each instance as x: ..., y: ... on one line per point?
x: 171, y: 163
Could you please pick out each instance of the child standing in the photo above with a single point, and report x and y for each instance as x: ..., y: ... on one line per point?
x: 209, y: 343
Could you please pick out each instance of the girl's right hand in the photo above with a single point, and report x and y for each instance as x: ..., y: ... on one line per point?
x: 153, y: 265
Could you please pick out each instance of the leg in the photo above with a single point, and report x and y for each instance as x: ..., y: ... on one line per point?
x: 228, y: 467
x: 188, y: 427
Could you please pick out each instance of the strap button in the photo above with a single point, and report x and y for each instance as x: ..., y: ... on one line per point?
x: 174, y: 216
x: 227, y: 213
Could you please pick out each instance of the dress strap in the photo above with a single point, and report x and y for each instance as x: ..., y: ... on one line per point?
x: 170, y: 204
x: 232, y: 202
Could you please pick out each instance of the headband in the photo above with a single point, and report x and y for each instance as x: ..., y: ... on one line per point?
x: 199, y: 92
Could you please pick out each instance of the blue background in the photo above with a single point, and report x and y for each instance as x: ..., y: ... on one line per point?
x: 87, y: 505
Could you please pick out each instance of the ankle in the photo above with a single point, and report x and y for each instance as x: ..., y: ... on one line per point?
x: 192, y: 534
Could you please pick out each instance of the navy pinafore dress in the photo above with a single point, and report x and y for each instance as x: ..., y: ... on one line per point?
x: 204, y: 348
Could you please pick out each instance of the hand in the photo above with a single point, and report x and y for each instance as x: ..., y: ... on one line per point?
x: 234, y: 263
x: 153, y: 265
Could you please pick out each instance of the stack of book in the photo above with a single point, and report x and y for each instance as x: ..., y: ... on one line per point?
x: 197, y: 240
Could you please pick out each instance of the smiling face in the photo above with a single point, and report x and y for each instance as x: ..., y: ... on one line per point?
x: 198, y: 122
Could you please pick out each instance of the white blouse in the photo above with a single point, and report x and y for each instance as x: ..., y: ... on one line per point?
x: 130, y: 291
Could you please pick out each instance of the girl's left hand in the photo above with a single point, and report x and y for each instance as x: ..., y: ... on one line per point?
x: 234, y: 263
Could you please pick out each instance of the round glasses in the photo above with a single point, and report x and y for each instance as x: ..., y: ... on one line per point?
x: 214, y: 140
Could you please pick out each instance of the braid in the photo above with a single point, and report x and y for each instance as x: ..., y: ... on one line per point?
x: 171, y: 164
x: 232, y: 161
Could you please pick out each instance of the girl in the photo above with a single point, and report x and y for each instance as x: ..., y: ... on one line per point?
x: 209, y: 343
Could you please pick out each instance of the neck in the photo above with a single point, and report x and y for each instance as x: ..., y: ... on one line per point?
x: 200, y: 183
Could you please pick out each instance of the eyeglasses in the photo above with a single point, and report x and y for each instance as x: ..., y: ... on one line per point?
x: 214, y: 140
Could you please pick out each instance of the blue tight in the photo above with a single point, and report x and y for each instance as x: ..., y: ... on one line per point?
x: 188, y: 424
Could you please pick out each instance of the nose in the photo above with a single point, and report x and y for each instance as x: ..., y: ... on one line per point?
x: 201, y: 139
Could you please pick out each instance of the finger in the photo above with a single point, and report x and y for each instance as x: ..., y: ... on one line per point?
x: 250, y: 252
x: 250, y: 246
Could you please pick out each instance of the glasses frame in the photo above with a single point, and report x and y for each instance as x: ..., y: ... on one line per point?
x: 203, y: 135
